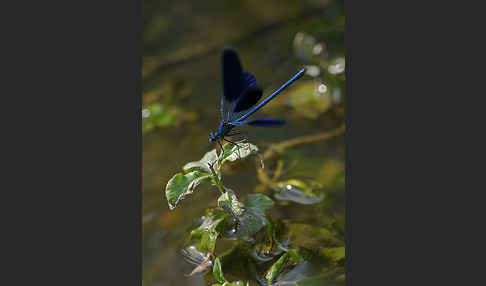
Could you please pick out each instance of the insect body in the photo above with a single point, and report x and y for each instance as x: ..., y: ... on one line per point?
x: 223, y: 130
x: 240, y: 93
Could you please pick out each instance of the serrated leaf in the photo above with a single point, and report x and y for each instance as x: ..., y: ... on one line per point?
x: 181, y: 185
x: 217, y: 271
x: 202, y: 165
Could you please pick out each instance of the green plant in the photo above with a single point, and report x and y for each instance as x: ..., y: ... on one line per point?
x: 256, y: 233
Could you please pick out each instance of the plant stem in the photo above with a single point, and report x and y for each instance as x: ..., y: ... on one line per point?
x: 216, y: 180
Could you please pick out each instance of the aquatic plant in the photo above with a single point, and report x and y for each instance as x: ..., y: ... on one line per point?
x: 291, y: 253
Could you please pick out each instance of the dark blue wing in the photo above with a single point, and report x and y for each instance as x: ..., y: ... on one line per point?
x: 250, y: 95
x: 232, y: 72
x: 240, y: 89
x: 266, y: 122
x: 232, y: 75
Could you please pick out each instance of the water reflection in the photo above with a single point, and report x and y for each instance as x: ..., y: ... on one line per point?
x: 336, y: 66
x: 318, y: 48
x: 307, y: 48
x: 292, y: 193
x: 322, y: 88
x: 298, y: 273
x: 145, y: 113
x: 196, y: 258
x: 313, y: 71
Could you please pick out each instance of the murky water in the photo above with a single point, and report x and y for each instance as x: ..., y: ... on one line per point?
x: 182, y: 41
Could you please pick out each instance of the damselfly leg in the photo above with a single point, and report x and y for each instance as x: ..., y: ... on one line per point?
x: 235, y: 144
x: 242, y: 138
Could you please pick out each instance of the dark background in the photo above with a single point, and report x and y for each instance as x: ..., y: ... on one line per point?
x: 73, y: 144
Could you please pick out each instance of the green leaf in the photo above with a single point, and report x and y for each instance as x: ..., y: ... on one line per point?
x: 250, y: 223
x: 289, y: 261
x: 229, y: 202
x: 253, y: 217
x: 275, y: 269
x: 250, y: 215
x: 238, y: 260
x: 159, y: 116
x: 217, y: 271
x: 259, y: 203
x: 204, y: 237
x: 233, y: 152
x: 165, y: 119
x: 181, y: 185
x: 202, y: 165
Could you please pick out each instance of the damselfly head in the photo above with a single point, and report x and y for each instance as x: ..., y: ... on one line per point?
x: 212, y: 137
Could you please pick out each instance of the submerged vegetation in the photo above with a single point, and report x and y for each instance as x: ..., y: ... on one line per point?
x: 266, y: 250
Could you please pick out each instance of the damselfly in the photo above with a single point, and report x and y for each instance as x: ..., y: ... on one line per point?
x: 240, y: 93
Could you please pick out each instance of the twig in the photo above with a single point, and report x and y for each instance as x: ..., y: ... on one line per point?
x: 216, y: 180
x: 280, y: 147
x: 278, y: 170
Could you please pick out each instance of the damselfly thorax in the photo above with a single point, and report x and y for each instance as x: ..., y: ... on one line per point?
x: 223, y: 130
